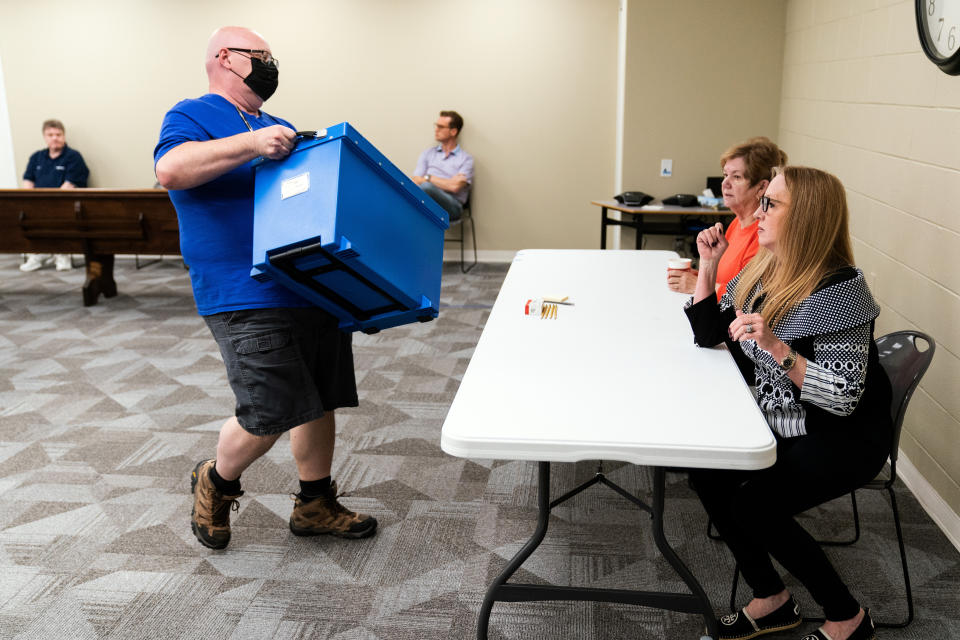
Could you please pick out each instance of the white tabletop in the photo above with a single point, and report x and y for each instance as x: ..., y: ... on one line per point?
x: 615, y: 377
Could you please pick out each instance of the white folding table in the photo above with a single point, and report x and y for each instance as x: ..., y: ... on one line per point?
x: 616, y: 376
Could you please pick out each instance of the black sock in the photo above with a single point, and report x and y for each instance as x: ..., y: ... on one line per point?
x: 226, y: 487
x: 310, y: 489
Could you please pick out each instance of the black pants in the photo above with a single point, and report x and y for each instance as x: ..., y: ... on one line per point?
x: 753, y: 510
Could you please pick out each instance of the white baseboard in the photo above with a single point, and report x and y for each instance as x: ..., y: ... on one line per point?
x: 935, y: 506
x: 452, y: 254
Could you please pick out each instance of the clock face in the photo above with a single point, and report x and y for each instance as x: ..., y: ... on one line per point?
x: 938, y: 22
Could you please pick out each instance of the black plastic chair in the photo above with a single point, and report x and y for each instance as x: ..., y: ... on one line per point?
x: 905, y: 365
x: 466, y: 216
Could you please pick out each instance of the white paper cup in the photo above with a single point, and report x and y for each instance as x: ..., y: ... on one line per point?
x: 679, y: 263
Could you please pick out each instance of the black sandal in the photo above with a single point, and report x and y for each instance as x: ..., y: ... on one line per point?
x: 740, y: 626
x: 864, y: 631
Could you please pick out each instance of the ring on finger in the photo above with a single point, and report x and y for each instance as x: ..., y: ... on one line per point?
x: 749, y: 328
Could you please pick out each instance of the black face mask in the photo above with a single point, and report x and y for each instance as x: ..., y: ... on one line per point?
x: 262, y: 79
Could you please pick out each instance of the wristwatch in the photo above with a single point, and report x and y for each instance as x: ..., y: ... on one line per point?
x: 426, y: 178
x: 789, y: 360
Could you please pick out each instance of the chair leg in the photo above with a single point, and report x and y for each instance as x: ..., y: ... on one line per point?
x: 733, y: 589
x: 473, y: 234
x: 710, y: 533
x: 856, y: 527
x: 462, y: 232
x: 903, y: 564
x: 856, y: 516
x: 141, y: 265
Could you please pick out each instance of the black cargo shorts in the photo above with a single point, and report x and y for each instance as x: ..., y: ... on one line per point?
x: 285, y: 366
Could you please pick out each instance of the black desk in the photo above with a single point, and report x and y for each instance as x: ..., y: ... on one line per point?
x: 98, y: 223
x: 636, y: 218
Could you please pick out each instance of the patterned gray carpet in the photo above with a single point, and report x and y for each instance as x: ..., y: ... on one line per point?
x: 104, y: 410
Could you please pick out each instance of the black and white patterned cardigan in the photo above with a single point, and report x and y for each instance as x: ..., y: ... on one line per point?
x: 833, y: 329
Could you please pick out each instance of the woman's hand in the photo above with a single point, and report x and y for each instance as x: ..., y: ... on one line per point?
x: 711, y: 243
x: 682, y: 280
x: 752, y: 326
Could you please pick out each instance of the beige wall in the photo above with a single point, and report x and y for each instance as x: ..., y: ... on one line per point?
x: 701, y: 76
x: 534, y: 79
x: 861, y: 100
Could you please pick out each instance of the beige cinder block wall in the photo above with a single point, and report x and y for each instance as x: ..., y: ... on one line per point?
x: 861, y: 100
x: 701, y: 76
x: 534, y: 79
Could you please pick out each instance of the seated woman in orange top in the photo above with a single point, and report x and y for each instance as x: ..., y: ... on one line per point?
x: 747, y: 170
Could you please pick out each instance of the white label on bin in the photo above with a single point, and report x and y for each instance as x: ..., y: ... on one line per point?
x: 295, y: 185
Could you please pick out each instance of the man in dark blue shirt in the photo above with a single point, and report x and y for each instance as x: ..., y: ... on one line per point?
x: 58, y: 167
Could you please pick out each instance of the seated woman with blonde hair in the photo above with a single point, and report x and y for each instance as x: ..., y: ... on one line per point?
x: 747, y: 170
x: 803, y: 316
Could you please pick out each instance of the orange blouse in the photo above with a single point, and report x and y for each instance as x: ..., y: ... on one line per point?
x: 743, y: 246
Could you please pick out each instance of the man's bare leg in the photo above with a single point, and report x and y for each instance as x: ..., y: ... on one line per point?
x: 312, y: 445
x: 237, y: 449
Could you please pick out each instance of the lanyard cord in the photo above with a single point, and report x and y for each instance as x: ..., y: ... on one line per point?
x: 240, y: 113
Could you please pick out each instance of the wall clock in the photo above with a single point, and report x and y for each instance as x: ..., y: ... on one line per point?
x: 938, y: 25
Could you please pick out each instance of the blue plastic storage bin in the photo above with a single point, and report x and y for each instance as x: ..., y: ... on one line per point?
x: 340, y: 225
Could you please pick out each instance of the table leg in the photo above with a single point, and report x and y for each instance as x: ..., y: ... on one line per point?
x: 543, y: 519
x: 709, y: 618
x: 603, y: 227
x: 99, y: 278
x: 694, y: 602
x: 638, y: 218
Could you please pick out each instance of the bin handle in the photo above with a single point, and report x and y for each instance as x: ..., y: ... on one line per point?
x: 302, y: 135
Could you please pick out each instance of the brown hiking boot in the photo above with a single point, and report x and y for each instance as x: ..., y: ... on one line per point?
x: 326, y: 515
x: 210, y: 518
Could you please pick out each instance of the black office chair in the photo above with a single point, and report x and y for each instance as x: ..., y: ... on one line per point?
x: 905, y: 365
x: 466, y: 216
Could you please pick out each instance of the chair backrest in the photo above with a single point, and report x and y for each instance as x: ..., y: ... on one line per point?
x: 905, y: 364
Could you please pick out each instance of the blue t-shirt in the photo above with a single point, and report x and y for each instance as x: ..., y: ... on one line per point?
x: 216, y: 218
x: 46, y: 172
